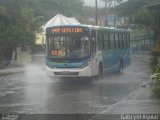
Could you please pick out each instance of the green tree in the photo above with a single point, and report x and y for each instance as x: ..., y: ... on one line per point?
x: 144, y: 17
x: 19, y: 19
x: 131, y: 8
x: 12, y: 26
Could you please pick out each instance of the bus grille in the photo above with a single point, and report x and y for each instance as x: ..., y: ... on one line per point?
x: 66, y: 73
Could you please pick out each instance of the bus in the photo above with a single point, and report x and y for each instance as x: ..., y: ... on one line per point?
x: 86, y: 50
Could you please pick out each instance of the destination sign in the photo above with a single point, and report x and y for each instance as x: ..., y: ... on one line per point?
x: 68, y: 30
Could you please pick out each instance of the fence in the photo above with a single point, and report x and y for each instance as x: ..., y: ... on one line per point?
x: 143, y: 42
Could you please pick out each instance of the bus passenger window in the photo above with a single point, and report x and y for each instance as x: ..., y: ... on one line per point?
x: 128, y: 40
x: 124, y: 40
x: 100, y: 41
x: 111, y: 35
x: 116, y: 41
x: 120, y: 40
x: 106, y: 41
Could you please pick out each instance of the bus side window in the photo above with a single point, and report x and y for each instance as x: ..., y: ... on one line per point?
x: 116, y: 40
x: 124, y: 40
x: 120, y: 40
x: 111, y: 36
x: 106, y: 41
x: 128, y: 40
x: 100, y: 41
x: 93, y: 41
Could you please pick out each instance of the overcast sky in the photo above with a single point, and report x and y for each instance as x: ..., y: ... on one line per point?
x: 92, y: 3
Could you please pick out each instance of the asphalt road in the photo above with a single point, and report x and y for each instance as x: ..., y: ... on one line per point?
x: 32, y: 92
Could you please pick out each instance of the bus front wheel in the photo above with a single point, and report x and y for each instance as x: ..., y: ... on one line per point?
x: 100, y: 71
x: 120, y: 66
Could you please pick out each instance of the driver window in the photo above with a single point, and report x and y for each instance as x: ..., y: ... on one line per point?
x: 85, y: 45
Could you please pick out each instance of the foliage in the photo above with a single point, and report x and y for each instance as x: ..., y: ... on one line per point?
x: 156, y: 75
x: 156, y: 48
x: 137, y: 15
x: 128, y: 8
x: 19, y: 19
x: 144, y: 17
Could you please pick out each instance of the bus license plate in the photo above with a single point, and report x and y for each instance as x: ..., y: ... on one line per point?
x: 65, y: 72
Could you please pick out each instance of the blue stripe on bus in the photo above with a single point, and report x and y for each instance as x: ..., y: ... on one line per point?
x: 65, y: 65
x: 111, y: 59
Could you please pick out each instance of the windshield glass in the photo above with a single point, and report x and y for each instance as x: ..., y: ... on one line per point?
x: 69, y: 46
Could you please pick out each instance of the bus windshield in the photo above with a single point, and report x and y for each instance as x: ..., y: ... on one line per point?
x: 61, y: 46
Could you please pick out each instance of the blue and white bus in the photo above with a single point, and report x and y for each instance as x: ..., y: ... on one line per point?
x: 86, y: 51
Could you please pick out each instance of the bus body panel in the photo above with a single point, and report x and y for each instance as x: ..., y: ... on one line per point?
x: 112, y: 59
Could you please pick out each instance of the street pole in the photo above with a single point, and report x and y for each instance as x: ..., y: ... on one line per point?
x: 96, y: 12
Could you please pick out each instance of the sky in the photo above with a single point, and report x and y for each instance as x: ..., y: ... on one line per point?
x: 92, y: 3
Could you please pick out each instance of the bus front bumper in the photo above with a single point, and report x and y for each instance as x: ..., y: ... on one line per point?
x: 68, y: 72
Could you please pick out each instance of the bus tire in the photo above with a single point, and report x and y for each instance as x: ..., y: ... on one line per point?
x: 121, y: 66
x: 100, y: 71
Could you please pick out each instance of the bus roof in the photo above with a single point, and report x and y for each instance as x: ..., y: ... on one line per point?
x: 101, y: 28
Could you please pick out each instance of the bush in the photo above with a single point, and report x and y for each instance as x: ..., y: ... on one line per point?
x: 156, y: 75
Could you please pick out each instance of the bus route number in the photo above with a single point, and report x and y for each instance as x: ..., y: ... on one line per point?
x: 58, y: 53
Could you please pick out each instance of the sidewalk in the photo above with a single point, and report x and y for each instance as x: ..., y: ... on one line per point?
x: 11, y: 70
x: 140, y: 102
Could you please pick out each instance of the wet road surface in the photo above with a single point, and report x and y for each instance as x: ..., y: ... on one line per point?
x: 33, y: 92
